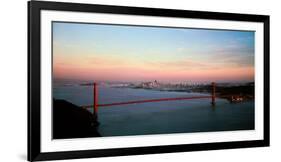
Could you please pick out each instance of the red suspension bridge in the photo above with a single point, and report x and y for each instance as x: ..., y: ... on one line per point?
x: 96, y: 105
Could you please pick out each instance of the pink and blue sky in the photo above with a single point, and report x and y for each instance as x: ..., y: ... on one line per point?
x: 135, y: 53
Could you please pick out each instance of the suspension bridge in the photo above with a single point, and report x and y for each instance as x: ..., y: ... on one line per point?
x: 96, y: 105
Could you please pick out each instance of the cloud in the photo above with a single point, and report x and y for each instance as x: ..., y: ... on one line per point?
x: 181, y: 65
x: 180, y: 49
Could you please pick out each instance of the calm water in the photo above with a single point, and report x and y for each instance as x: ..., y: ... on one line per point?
x: 159, y: 117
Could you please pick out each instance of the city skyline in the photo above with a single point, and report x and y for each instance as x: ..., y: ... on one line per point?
x: 137, y: 53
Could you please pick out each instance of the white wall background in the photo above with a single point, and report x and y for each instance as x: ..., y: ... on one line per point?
x: 13, y: 79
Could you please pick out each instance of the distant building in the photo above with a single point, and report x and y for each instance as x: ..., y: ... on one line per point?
x: 236, y: 99
x: 154, y: 84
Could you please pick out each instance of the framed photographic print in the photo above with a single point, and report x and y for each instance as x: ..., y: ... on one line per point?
x: 116, y: 80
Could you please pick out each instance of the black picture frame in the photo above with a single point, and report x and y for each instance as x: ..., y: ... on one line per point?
x: 34, y: 81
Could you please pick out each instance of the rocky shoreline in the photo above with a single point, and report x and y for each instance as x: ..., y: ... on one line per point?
x: 71, y: 121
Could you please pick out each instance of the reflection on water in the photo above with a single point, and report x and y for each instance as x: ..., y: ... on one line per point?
x: 160, y: 117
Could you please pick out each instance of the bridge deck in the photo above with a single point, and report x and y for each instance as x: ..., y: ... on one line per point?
x: 145, y: 101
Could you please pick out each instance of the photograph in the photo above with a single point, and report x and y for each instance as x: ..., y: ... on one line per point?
x: 129, y: 80
x: 106, y: 80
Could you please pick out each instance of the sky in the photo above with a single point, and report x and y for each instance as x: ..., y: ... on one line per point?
x: 102, y: 52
